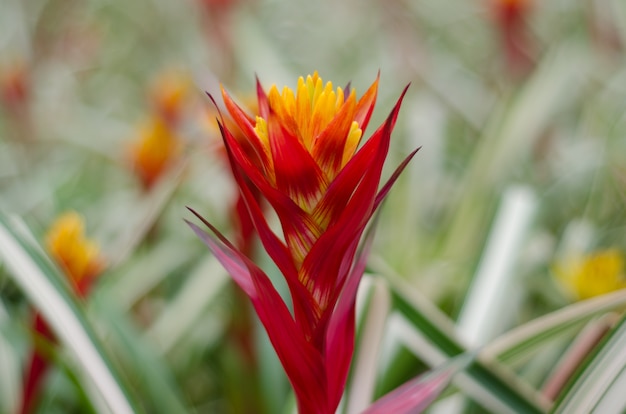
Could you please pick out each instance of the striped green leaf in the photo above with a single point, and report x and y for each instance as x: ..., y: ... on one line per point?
x: 598, y: 386
x: 522, y: 342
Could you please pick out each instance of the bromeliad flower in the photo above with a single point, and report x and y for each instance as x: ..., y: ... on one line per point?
x: 301, y: 152
x: 81, y: 262
x: 78, y: 256
x: 158, y: 143
x: 169, y: 95
x: 156, y: 148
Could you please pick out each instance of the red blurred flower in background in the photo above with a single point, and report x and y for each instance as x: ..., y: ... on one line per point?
x: 16, y: 98
x: 301, y: 152
x: 14, y: 86
x: 511, y: 16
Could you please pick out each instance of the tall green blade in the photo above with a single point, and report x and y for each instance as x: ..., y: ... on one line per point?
x: 598, y: 386
x: 523, y: 341
x: 9, y: 366
x: 141, y: 361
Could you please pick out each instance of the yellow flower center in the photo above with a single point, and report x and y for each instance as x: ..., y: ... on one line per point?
x: 308, y: 112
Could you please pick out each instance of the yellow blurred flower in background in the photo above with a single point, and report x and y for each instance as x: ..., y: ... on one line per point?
x: 78, y: 256
x: 157, y: 145
x: 169, y: 93
x: 592, y: 275
x: 155, y: 148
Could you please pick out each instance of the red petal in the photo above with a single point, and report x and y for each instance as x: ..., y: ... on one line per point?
x: 305, y: 308
x: 365, y: 106
x: 37, y: 366
x: 228, y: 258
x: 302, y: 363
x: 341, y: 189
x: 297, y: 224
x: 414, y: 396
x: 390, y: 182
x: 328, y: 252
x: 297, y: 173
x: 245, y: 227
x: 328, y: 147
x: 244, y: 122
x: 340, y: 331
x: 264, y: 106
x: 293, y: 219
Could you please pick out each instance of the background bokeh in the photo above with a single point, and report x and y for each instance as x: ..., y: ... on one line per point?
x: 518, y: 107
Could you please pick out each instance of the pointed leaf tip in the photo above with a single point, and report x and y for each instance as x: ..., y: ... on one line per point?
x: 416, y: 395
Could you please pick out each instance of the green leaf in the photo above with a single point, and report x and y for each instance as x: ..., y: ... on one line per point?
x: 520, y: 343
x: 131, y: 220
x: 140, y: 360
x: 184, y: 311
x: 598, y: 386
x: 147, y: 269
x: 9, y: 367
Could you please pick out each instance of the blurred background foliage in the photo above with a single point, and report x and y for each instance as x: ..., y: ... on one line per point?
x: 103, y: 111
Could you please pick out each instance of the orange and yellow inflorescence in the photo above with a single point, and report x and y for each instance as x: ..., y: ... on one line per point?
x: 308, y: 113
x: 156, y: 148
x: 302, y: 141
x: 78, y: 256
x: 169, y: 95
x: 157, y: 145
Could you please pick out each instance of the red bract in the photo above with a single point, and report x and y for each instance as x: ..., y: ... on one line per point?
x: 304, y: 161
x: 510, y: 16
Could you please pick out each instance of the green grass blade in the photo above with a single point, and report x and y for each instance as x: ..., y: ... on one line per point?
x: 185, y: 310
x: 140, y: 360
x: 9, y: 367
x: 519, y: 343
x: 129, y: 221
x: 598, y: 386
x: 131, y: 282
